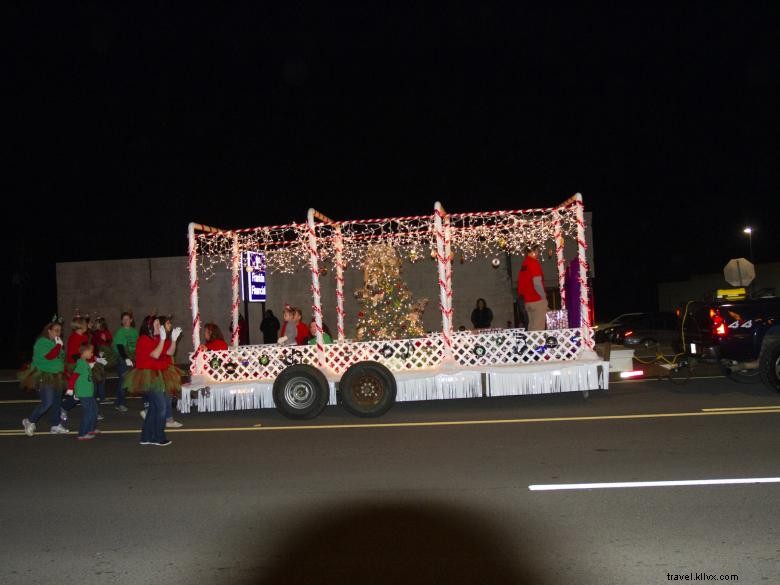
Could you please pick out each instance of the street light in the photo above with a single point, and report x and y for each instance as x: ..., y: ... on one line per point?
x: 749, y: 231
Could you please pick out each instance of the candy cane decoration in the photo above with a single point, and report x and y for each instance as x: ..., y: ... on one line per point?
x: 315, y: 287
x: 236, y: 265
x: 443, y: 261
x: 339, y: 260
x: 559, y: 244
x: 583, y: 262
x: 195, y: 365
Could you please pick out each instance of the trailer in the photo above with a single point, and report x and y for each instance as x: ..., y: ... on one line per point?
x: 368, y: 377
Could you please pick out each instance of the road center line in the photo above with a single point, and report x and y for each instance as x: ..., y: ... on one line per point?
x: 636, y: 484
x: 775, y: 410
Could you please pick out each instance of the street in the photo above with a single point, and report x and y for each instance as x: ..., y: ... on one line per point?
x: 434, y: 492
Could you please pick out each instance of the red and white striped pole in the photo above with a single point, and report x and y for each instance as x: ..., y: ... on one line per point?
x: 582, y: 259
x: 339, y: 260
x: 236, y: 265
x: 192, y: 265
x: 559, y: 245
x: 444, y: 264
x: 315, y: 288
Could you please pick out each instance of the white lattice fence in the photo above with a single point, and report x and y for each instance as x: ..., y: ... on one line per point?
x: 501, y: 347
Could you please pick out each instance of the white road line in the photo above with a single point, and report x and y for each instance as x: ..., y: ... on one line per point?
x: 636, y: 484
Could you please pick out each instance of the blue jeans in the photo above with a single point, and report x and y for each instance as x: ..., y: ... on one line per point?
x: 88, y: 415
x: 100, y: 390
x: 50, y: 400
x: 121, y: 370
x: 168, y: 406
x: 153, y: 430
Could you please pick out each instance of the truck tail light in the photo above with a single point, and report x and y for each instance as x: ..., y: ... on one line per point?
x: 628, y: 333
x: 719, y: 328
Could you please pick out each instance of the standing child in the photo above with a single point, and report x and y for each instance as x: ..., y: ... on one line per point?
x: 147, y: 379
x: 171, y: 375
x: 78, y: 336
x: 46, y: 376
x: 81, y: 382
x: 293, y: 331
x: 125, y: 340
x: 102, y: 340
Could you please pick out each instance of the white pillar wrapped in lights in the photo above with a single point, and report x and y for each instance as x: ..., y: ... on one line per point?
x: 559, y: 245
x: 192, y: 266
x: 582, y: 259
x: 444, y: 263
x: 339, y: 262
x: 236, y: 274
x: 315, y: 282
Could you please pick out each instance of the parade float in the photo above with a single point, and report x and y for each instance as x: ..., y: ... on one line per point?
x: 381, y: 365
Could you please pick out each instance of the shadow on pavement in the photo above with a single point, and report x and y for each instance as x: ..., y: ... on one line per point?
x: 397, y: 543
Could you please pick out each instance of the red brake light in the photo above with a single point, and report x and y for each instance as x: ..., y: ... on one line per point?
x: 628, y: 333
x: 718, y: 324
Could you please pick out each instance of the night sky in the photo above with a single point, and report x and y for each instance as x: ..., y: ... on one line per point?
x: 125, y: 123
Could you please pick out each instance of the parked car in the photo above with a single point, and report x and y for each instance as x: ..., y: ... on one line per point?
x: 643, y: 330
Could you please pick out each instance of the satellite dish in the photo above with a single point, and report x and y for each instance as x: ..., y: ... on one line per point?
x: 739, y: 272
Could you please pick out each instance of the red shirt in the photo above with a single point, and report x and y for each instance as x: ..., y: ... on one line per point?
x: 301, y: 333
x: 530, y: 269
x: 72, y: 351
x: 102, y: 337
x: 217, y: 345
x: 143, y: 354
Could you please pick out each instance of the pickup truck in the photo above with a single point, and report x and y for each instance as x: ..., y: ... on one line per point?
x: 742, y: 336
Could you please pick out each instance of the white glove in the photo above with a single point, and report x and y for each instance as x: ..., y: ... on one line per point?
x: 163, y: 333
x: 102, y: 361
x: 281, y: 340
x: 92, y: 364
x: 176, y: 333
x: 58, y: 340
x: 129, y: 362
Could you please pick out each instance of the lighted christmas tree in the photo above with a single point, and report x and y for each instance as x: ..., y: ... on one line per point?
x: 388, y: 311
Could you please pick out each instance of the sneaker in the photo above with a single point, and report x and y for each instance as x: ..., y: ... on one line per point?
x: 95, y: 432
x: 173, y: 424
x: 121, y: 408
x: 29, y: 427
x: 105, y: 401
x: 86, y: 437
x: 143, y: 414
x: 63, y: 415
x: 147, y: 443
x: 162, y: 443
x: 58, y: 430
x: 100, y: 417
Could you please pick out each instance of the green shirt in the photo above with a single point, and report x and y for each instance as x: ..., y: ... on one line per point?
x: 84, y: 386
x: 325, y: 338
x: 42, y: 347
x: 128, y: 337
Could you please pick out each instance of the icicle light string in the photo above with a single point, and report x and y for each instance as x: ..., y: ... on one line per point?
x: 474, y: 235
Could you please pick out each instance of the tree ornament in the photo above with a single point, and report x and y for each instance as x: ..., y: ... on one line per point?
x: 495, y: 263
x: 479, y: 350
x: 215, y: 363
x: 387, y: 351
x: 264, y: 360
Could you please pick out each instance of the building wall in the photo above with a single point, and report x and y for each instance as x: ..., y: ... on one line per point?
x: 162, y: 285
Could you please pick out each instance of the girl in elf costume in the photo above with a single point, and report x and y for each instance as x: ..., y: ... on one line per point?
x: 46, y: 374
x: 125, y: 340
x: 147, y: 379
x: 171, y: 375
x: 102, y: 340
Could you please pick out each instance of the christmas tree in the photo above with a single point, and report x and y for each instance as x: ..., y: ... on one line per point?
x: 388, y: 311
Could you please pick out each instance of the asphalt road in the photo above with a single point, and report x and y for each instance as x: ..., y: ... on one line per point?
x: 401, y: 500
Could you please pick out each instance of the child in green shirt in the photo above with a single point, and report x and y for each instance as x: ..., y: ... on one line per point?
x: 81, y: 383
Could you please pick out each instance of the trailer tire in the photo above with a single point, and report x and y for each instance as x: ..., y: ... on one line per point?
x: 367, y: 389
x: 769, y: 363
x: 301, y: 392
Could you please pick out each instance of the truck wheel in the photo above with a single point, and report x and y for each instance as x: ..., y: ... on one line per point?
x: 301, y: 391
x: 742, y: 376
x: 367, y: 389
x: 769, y: 363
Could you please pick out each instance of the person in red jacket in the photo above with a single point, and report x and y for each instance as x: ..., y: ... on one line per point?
x: 530, y: 287
x: 293, y: 331
x: 147, y: 379
x: 215, y: 340
x: 102, y: 340
x: 171, y: 375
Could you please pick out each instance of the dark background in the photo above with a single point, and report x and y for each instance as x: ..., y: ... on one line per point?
x: 127, y: 122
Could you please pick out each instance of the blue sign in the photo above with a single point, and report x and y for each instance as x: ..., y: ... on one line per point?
x: 253, y: 265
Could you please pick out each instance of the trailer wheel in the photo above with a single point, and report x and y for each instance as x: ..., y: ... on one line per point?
x: 769, y: 363
x: 300, y: 392
x: 367, y: 389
